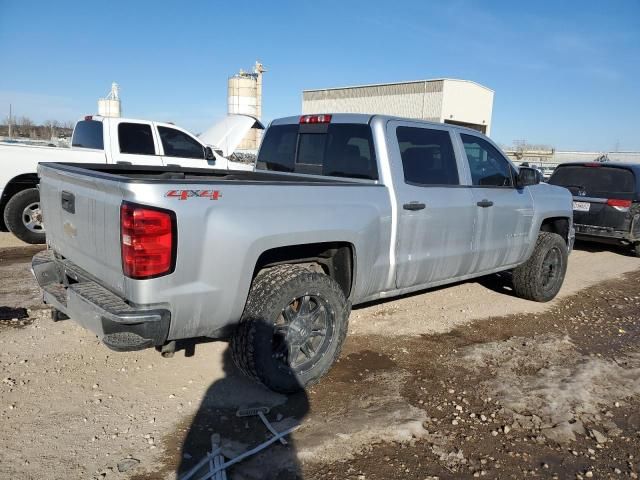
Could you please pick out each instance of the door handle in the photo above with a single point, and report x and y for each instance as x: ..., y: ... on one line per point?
x: 414, y: 206
x: 485, y: 203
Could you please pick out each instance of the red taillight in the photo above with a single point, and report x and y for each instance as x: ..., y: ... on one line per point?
x: 88, y: 117
x: 148, y: 240
x: 593, y: 164
x: 612, y: 202
x: 315, y: 119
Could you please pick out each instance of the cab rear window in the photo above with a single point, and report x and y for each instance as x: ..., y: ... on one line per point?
x: 335, y: 150
x: 595, y: 181
x: 88, y: 134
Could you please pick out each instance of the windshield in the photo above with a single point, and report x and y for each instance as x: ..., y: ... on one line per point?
x: 599, y: 182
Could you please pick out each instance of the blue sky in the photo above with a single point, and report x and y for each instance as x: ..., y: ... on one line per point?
x: 565, y: 73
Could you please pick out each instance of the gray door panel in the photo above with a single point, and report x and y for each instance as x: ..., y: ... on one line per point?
x: 434, y: 243
x: 502, y: 229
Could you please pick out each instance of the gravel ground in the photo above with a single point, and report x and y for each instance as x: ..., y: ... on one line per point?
x: 461, y: 381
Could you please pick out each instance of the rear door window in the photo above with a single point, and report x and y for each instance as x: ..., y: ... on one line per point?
x: 336, y: 150
x: 136, y: 139
x: 178, y: 144
x: 88, y: 134
x: 595, y: 181
x: 427, y: 156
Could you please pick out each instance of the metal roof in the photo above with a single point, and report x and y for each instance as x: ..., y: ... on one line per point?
x: 398, y: 83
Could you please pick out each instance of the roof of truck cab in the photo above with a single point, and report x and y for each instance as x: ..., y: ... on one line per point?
x: 335, y: 118
x: 369, y: 118
x: 100, y: 118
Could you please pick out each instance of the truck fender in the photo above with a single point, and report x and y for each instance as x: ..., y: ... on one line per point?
x: 555, y: 224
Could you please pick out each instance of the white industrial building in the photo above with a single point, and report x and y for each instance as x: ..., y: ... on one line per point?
x: 460, y: 102
x: 551, y: 156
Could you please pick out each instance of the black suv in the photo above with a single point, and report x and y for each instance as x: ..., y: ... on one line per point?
x: 606, y: 201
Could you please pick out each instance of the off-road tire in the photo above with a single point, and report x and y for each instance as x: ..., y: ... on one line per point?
x: 271, y: 291
x: 13, y: 216
x: 528, y: 278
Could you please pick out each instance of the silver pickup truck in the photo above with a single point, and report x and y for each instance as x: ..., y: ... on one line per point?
x: 341, y: 209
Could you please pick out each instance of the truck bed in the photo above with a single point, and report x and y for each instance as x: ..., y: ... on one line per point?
x: 166, y: 174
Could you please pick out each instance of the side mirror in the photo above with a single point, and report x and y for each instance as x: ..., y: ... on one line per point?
x: 208, y: 154
x: 527, y: 176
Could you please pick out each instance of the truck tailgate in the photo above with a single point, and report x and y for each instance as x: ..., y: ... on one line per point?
x: 82, y: 220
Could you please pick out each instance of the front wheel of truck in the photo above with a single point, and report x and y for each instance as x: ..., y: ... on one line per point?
x: 292, y: 328
x: 540, y: 278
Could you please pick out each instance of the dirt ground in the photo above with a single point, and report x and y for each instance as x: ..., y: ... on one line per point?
x: 459, y: 382
x: 7, y: 241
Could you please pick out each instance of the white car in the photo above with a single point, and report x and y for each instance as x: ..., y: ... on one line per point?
x: 108, y: 140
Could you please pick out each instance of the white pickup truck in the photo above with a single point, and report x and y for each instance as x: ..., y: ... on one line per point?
x: 108, y: 140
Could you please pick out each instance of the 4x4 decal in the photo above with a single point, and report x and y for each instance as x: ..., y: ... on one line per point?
x: 184, y: 194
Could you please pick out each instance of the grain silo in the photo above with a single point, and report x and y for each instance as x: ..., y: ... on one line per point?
x: 110, y: 105
x: 245, y: 97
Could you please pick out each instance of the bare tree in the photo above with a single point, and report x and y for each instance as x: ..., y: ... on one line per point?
x: 25, y: 127
x: 24, y: 122
x: 52, y: 125
x: 22, y: 126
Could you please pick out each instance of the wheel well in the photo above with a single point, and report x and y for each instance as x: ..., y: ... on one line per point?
x: 559, y: 225
x: 15, y: 185
x: 335, y: 259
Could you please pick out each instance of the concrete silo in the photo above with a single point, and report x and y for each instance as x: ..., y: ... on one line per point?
x: 245, y: 97
x: 110, y: 105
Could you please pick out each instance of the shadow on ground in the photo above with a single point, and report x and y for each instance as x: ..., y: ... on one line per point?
x: 498, y: 282
x: 595, y: 247
x: 217, y: 416
x: 502, y: 282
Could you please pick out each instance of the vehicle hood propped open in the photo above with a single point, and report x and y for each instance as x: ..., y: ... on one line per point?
x: 227, y: 134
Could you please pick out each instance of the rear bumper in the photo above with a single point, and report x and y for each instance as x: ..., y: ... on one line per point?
x: 120, y: 326
x: 605, y: 234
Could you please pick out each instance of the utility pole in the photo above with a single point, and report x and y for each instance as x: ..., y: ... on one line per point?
x: 10, y: 121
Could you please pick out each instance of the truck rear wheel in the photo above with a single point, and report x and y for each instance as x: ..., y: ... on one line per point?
x: 292, y: 328
x: 23, y: 216
x: 540, y: 278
